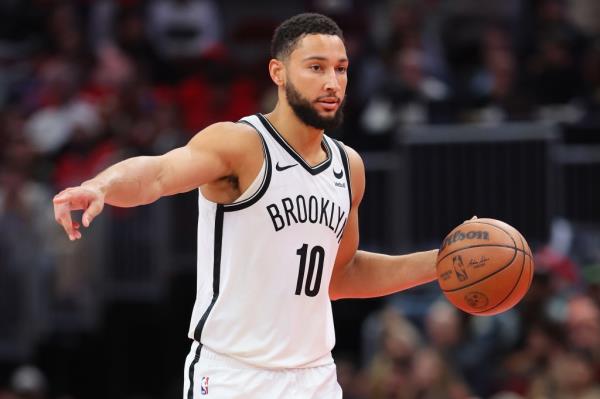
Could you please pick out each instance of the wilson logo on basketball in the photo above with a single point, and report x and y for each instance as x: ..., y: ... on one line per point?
x: 459, y: 236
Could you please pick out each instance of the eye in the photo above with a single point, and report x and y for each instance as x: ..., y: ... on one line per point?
x: 342, y: 69
x: 315, y: 67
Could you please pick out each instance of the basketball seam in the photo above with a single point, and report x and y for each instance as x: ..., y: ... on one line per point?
x: 483, y: 245
x: 489, y: 275
x: 512, y: 289
x: 493, y: 225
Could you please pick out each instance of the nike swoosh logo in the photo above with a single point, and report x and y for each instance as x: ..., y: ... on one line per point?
x: 338, y: 175
x: 280, y: 168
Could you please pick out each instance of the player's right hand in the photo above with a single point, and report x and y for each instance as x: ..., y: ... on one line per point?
x: 88, y: 199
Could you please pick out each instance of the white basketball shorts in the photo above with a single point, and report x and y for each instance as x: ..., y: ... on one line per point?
x: 215, y: 376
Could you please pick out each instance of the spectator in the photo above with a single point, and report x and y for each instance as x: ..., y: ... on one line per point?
x: 583, y: 329
x: 494, y: 86
x: 390, y: 369
x: 184, y: 28
x: 544, y: 340
x: 466, y: 344
x: 553, y: 69
x: 28, y: 382
x: 585, y: 15
x: 64, y: 113
x: 571, y: 376
x: 435, y: 378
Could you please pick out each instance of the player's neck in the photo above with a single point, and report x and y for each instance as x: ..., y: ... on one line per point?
x: 306, y: 140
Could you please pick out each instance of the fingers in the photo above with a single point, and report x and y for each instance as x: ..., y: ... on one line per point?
x: 61, y: 198
x: 62, y: 214
x: 66, y: 196
x: 74, y: 199
x: 91, y: 212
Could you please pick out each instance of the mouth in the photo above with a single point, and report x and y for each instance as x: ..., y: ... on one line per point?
x: 329, y: 103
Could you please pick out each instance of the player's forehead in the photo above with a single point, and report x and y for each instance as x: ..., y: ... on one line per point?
x: 319, y: 46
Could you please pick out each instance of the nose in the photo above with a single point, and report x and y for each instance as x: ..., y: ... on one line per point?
x: 331, y: 81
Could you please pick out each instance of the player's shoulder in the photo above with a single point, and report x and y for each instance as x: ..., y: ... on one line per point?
x: 357, y: 173
x: 353, y: 155
x: 229, y: 134
x: 237, y: 130
x: 354, y: 159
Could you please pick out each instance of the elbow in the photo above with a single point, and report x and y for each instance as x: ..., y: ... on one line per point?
x: 335, y: 286
x: 152, y: 195
x: 340, y: 284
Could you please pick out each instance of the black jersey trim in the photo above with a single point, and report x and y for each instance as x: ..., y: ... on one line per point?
x: 190, y: 393
x: 216, y: 270
x: 216, y: 284
x: 313, y: 170
x: 346, y: 163
x: 236, y: 206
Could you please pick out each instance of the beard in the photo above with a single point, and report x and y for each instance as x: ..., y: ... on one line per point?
x: 305, y: 111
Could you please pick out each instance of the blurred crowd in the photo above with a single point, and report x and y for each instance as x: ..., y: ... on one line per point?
x: 548, y: 347
x: 86, y: 83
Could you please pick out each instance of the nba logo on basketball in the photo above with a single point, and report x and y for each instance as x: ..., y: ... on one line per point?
x: 204, y: 386
x: 459, y: 268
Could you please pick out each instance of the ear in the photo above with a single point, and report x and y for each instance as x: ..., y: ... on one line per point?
x: 277, y: 72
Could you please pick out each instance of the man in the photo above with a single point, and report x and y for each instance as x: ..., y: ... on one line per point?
x: 277, y: 230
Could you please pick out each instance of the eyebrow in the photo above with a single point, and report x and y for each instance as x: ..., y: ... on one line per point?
x: 321, y: 58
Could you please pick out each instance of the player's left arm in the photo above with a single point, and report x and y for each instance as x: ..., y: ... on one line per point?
x: 360, y: 274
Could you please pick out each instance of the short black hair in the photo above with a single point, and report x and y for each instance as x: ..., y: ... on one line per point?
x: 287, y: 34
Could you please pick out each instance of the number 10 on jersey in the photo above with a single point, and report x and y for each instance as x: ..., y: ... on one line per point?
x: 317, y: 256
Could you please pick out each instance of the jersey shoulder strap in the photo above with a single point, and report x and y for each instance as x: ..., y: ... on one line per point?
x: 346, y: 163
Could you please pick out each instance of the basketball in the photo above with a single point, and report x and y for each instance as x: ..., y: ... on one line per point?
x: 484, y: 267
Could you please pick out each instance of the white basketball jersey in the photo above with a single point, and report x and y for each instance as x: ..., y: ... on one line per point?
x: 265, y: 261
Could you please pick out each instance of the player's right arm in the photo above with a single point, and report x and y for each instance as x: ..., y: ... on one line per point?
x: 362, y: 274
x: 214, y: 153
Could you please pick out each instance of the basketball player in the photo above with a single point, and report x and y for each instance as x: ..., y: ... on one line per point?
x: 277, y: 228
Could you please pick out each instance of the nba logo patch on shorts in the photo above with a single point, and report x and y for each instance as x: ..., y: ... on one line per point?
x: 204, y: 386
